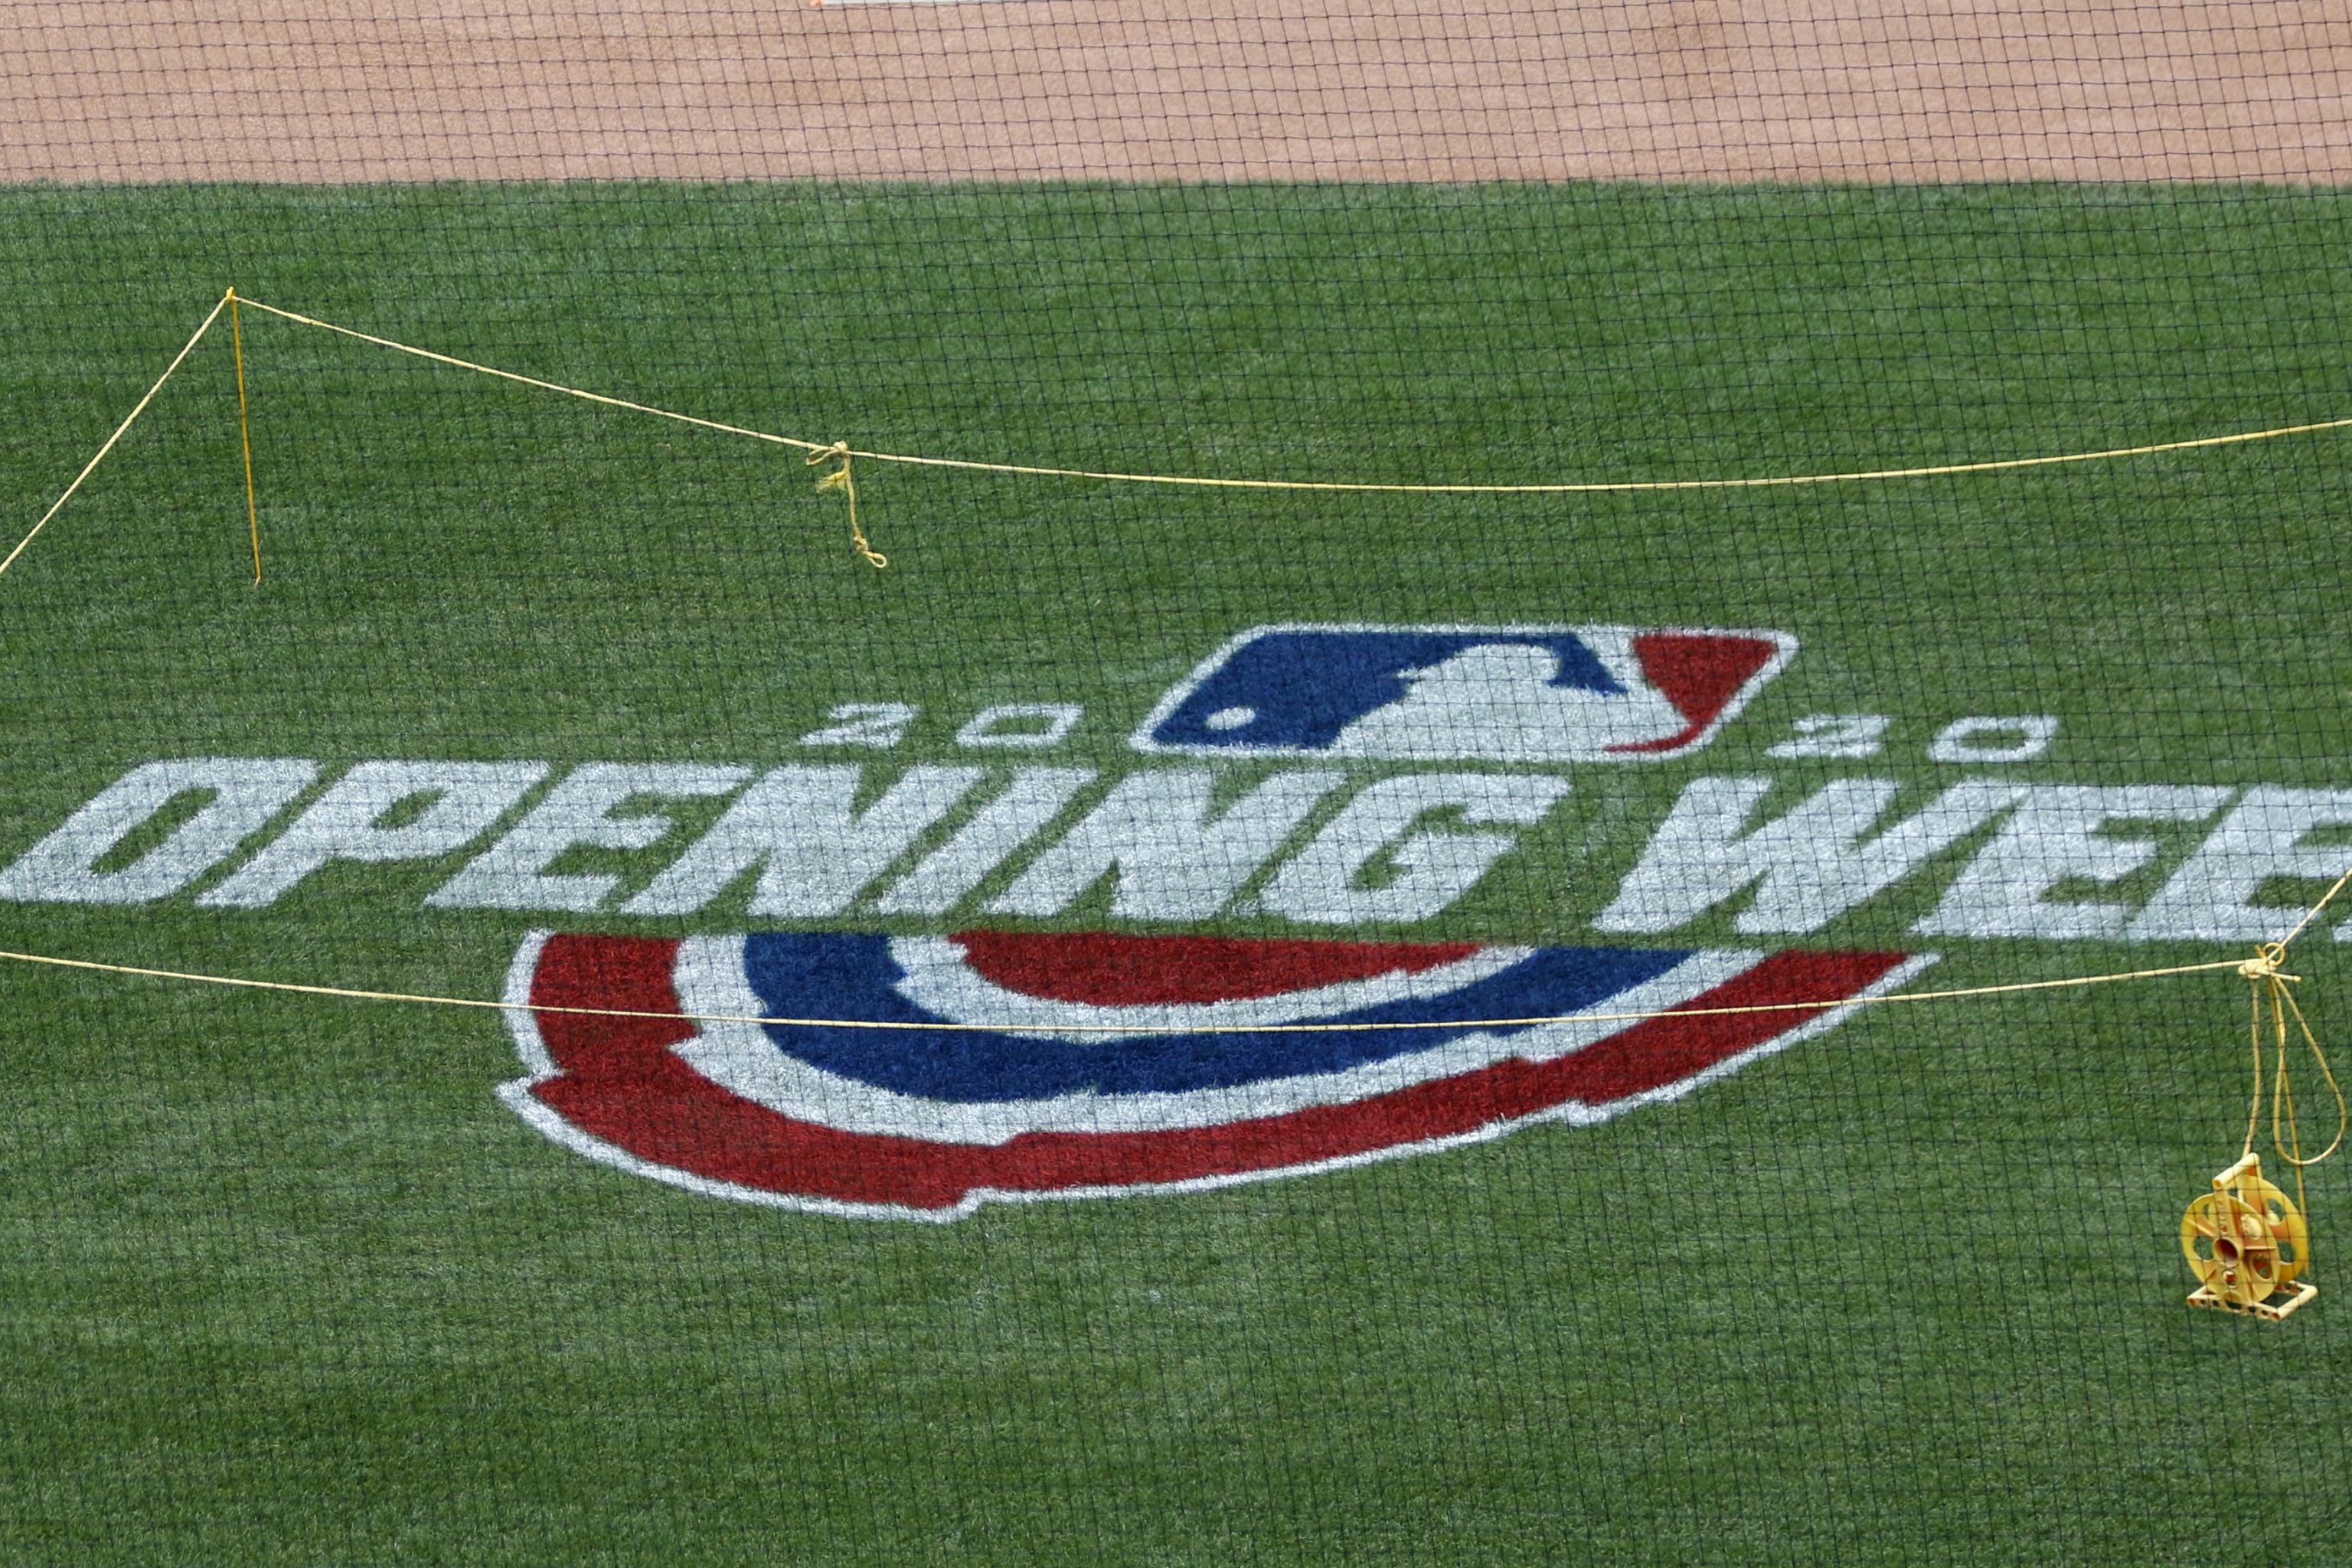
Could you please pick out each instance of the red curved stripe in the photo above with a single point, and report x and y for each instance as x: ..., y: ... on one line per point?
x: 621, y: 1084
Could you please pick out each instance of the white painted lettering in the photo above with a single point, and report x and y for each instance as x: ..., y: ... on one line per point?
x: 346, y: 823
x: 1813, y: 863
x: 880, y: 725
x: 2055, y: 835
x: 947, y: 875
x: 2213, y: 897
x: 1429, y: 870
x: 512, y: 874
x: 1173, y: 860
x: 814, y: 851
x: 1833, y: 735
x: 245, y: 793
x: 1020, y: 726
x: 1993, y: 740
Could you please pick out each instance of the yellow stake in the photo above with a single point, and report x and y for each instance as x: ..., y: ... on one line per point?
x: 244, y: 428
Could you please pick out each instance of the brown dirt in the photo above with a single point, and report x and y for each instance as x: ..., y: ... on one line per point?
x: 1368, y: 90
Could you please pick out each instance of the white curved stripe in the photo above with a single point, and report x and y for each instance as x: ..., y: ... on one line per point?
x: 520, y: 1095
x: 939, y: 980
x: 743, y: 1059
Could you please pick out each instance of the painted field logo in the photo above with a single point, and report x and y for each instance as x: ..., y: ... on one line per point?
x: 1189, y: 1085
x: 1523, y: 694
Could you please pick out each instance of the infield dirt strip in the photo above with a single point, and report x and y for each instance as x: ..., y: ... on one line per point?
x: 1155, y: 89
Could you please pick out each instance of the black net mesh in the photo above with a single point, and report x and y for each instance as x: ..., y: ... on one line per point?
x: 1303, y: 974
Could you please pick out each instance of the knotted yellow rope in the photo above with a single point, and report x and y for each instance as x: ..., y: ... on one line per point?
x: 841, y: 480
x: 2271, y: 982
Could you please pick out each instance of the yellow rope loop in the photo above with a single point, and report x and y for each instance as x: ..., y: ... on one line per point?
x: 2267, y: 981
x: 841, y: 480
x: 2284, y: 1100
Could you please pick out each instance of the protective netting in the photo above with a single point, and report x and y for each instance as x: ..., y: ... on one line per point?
x: 1429, y: 920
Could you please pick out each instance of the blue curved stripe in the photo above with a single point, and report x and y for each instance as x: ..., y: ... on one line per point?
x: 835, y: 975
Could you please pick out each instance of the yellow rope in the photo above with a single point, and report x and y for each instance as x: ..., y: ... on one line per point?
x: 2255, y: 1033
x: 2343, y: 1111
x: 2271, y: 984
x: 840, y: 480
x: 1622, y: 486
x: 2309, y: 915
x: 429, y: 999
x: 2268, y: 978
x: 128, y: 420
x: 2263, y: 970
x: 534, y: 381
x: 842, y: 450
x: 2290, y: 1145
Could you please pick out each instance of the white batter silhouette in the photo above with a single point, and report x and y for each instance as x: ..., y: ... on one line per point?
x: 1496, y: 701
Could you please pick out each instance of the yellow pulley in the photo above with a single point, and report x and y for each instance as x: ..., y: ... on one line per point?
x: 2247, y: 1244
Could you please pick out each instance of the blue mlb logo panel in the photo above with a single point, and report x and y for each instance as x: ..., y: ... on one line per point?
x: 1528, y: 694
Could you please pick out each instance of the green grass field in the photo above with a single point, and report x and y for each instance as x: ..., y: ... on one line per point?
x: 281, y: 1280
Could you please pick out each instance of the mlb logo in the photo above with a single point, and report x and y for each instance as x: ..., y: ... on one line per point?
x: 1512, y: 694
